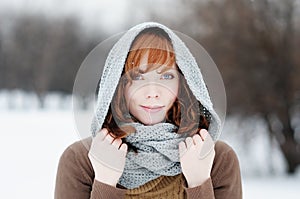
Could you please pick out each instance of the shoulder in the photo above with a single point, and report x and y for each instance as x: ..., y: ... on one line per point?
x: 75, y: 175
x: 75, y: 158
x: 81, y: 146
x: 224, y: 153
x: 222, y: 148
x: 226, y: 163
x: 78, y: 149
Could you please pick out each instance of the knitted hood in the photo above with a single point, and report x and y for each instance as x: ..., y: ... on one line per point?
x: 186, y: 62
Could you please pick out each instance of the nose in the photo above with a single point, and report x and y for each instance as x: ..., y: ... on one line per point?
x: 152, y: 95
x: 152, y: 91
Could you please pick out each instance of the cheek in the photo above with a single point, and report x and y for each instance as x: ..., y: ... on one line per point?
x: 173, y: 90
x: 171, y: 93
x: 129, y: 95
x: 172, y: 99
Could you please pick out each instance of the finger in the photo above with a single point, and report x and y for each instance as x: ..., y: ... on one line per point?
x: 207, y: 147
x: 189, y: 142
x: 203, y: 133
x: 124, y: 148
x: 197, y: 140
x: 117, y: 143
x: 182, y: 148
x: 109, y: 138
x: 101, y: 134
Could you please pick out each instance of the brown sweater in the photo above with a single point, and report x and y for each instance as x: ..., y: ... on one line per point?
x: 75, y: 179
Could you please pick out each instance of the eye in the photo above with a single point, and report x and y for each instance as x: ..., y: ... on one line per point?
x: 137, y: 76
x: 167, y: 76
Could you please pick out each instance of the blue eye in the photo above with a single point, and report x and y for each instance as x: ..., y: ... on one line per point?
x: 167, y: 76
x: 137, y: 77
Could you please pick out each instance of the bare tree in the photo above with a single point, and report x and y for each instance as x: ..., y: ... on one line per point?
x: 44, y: 54
x: 255, y: 44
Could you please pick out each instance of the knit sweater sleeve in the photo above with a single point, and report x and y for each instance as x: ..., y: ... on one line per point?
x: 75, y: 178
x: 225, y: 180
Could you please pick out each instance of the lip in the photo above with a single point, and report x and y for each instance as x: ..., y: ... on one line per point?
x: 152, y: 109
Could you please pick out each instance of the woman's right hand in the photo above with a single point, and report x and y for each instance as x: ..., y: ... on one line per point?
x: 107, y: 156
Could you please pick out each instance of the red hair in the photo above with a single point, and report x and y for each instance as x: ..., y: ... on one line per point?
x: 186, y: 111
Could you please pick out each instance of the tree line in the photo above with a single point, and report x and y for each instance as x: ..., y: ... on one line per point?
x: 40, y: 54
x: 256, y: 47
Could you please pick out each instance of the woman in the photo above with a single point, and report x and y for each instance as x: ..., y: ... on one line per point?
x: 150, y: 128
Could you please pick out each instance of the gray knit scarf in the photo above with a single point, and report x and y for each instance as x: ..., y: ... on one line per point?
x: 158, y: 155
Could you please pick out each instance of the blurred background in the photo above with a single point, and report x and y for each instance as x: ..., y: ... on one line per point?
x: 254, y: 43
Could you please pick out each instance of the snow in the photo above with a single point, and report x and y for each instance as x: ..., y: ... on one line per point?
x: 32, y: 141
x: 30, y: 146
x: 272, y: 187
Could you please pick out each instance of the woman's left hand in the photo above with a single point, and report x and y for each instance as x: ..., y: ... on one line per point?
x: 196, y: 157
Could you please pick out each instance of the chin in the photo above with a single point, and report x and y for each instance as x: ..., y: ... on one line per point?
x: 152, y: 122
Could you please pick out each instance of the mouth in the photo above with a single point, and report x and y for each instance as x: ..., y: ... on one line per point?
x: 152, y: 109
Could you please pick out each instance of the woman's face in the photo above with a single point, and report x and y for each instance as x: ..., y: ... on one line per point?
x: 152, y: 94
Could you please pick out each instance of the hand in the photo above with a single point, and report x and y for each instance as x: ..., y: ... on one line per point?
x: 196, y: 157
x: 107, y: 156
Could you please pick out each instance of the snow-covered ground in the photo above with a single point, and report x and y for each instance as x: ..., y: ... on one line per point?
x: 32, y: 141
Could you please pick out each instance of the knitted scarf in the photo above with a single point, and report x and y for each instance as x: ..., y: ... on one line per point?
x: 157, y: 155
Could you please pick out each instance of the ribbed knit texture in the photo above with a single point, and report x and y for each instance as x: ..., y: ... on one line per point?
x: 158, y: 155
x: 164, y: 187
